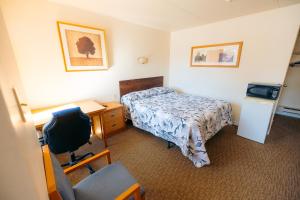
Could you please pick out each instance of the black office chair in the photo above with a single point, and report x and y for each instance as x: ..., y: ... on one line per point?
x: 67, y: 131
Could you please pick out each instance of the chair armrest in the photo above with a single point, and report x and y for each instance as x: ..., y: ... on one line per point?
x: 134, y: 190
x: 88, y: 160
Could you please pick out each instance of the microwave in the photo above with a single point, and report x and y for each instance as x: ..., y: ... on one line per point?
x: 266, y: 91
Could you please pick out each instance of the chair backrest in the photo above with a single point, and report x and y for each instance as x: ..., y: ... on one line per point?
x: 67, y: 130
x: 58, y: 185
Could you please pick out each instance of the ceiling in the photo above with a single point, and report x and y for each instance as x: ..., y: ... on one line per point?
x: 172, y: 15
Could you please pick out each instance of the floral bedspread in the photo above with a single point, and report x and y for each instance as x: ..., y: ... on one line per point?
x: 186, y: 120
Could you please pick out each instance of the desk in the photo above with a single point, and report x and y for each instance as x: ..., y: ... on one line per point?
x: 92, y: 108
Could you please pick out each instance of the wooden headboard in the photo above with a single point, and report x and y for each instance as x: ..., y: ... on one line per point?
x: 127, y: 86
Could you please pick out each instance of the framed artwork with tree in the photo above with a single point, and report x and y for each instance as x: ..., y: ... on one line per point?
x: 83, y: 47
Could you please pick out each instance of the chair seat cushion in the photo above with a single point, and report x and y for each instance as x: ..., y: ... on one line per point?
x: 105, y: 184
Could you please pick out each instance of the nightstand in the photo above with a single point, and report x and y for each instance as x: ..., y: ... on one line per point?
x: 112, y: 118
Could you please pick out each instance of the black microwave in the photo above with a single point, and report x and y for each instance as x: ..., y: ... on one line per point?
x: 266, y: 91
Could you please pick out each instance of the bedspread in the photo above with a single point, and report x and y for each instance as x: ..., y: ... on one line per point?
x: 186, y: 120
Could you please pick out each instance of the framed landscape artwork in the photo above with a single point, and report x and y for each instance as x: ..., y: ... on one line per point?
x: 83, y: 47
x: 217, y: 55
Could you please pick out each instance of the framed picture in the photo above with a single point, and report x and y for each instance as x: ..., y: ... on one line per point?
x: 83, y: 47
x: 217, y: 55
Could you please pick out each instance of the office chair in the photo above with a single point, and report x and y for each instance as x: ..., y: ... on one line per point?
x: 67, y: 131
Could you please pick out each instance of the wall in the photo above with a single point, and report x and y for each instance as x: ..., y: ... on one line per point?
x: 32, y: 28
x: 290, y: 96
x: 268, y: 39
x: 22, y: 173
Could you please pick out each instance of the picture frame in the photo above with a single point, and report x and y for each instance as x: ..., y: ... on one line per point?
x: 216, y: 55
x: 83, y: 47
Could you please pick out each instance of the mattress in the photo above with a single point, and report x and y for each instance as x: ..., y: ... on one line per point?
x: 186, y: 120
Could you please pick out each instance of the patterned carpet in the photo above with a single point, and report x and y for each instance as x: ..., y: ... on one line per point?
x: 240, y: 168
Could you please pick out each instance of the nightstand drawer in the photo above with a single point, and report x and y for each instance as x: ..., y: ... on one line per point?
x: 112, y: 115
x: 113, y: 126
x: 112, y: 118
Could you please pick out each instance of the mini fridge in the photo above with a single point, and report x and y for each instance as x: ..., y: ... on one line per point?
x: 256, y: 118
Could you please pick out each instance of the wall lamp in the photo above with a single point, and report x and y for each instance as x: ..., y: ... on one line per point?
x: 142, y: 60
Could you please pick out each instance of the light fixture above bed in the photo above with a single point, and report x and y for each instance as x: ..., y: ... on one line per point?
x: 142, y: 60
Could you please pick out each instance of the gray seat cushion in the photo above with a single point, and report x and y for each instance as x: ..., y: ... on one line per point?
x: 105, y: 184
x: 63, y: 184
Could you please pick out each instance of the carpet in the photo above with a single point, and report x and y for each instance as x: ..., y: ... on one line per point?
x: 240, y: 168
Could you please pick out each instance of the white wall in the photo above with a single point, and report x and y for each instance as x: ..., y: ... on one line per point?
x: 22, y: 173
x: 290, y: 96
x: 268, y: 37
x: 32, y: 28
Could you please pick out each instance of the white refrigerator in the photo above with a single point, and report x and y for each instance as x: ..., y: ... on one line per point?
x: 256, y: 118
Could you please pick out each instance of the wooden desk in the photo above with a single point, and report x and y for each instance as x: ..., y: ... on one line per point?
x: 92, y: 108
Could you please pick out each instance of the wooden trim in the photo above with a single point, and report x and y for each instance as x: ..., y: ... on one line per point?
x: 50, y: 177
x: 104, y: 136
x: 82, y: 26
x: 94, y: 128
x: 134, y: 190
x: 216, y: 45
x: 61, y: 45
x: 132, y: 85
x: 88, y: 160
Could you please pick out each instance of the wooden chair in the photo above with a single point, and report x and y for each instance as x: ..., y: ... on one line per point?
x: 111, y: 182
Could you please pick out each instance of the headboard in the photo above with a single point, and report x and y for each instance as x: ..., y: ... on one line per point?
x: 127, y: 86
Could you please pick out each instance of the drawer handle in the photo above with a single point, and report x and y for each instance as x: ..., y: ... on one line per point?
x: 112, y: 115
x: 113, y: 125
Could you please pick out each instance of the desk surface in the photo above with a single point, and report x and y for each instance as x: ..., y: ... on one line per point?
x: 43, y: 115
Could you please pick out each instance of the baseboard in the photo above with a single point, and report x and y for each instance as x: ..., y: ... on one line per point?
x: 290, y: 112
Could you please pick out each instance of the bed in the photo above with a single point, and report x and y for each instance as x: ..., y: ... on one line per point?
x: 185, y: 120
